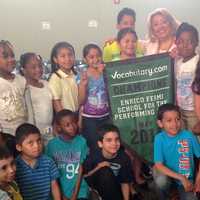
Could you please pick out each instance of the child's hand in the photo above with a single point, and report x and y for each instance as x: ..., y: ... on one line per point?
x: 103, y: 164
x: 109, y: 41
x: 101, y: 67
x: 196, y: 128
x: 84, y: 78
x: 73, y: 198
x: 197, y: 185
x: 188, y: 186
x: 174, y: 53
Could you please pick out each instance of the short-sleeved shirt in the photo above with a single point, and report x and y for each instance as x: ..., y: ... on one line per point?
x: 12, y: 105
x: 40, y: 109
x: 4, y: 195
x: 112, y: 51
x: 151, y: 48
x: 185, y: 73
x: 120, y: 165
x: 69, y: 155
x: 177, y: 152
x: 12, y: 192
x: 64, y: 88
x: 35, y: 183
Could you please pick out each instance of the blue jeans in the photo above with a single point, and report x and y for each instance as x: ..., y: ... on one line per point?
x: 165, y: 183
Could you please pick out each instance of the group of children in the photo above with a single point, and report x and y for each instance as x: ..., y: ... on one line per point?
x: 82, y: 148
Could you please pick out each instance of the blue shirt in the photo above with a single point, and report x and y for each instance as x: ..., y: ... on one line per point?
x: 177, y: 152
x: 68, y: 156
x: 35, y: 183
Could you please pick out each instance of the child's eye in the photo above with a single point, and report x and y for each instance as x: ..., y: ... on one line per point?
x: 4, y: 167
x: 39, y: 141
x: 7, y: 55
x: 13, y: 163
x: 108, y: 140
x: 178, y: 119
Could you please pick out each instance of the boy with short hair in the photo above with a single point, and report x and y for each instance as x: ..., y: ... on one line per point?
x: 108, y: 170
x: 126, y: 19
x: 8, y: 188
x: 69, y: 150
x: 174, y: 151
x: 187, y: 40
x: 36, y: 173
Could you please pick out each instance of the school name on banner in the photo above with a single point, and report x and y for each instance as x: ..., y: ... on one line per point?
x: 136, y: 89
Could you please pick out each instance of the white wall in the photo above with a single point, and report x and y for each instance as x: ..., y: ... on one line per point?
x: 20, y: 21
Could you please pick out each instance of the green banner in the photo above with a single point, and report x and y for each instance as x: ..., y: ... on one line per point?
x: 136, y: 88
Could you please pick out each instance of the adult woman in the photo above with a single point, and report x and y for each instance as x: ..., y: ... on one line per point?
x: 162, y: 28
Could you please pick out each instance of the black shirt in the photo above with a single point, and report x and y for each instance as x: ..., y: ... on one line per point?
x: 120, y: 165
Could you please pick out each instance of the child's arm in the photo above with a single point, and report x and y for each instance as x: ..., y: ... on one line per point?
x: 188, y: 186
x: 197, y: 105
x: 78, y: 184
x: 197, y: 181
x: 82, y: 88
x: 57, y: 105
x: 125, y: 190
x: 99, y: 166
x: 55, y: 190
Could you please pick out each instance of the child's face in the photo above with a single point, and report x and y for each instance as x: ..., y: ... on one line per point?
x: 93, y: 57
x: 64, y: 59
x: 127, y: 21
x: 161, y: 27
x: 7, y: 60
x: 110, y: 144
x: 186, y: 45
x: 128, y: 45
x: 7, y: 171
x: 68, y: 127
x: 31, y: 147
x: 170, y: 122
x: 33, y: 69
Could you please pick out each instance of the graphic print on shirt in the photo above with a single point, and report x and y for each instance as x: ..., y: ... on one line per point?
x: 11, y: 103
x: 115, y: 168
x: 97, y: 101
x: 68, y: 162
x: 184, y: 158
x: 184, y: 92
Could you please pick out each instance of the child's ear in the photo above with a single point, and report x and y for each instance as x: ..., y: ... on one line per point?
x: 55, y: 59
x: 118, y: 27
x: 99, y: 143
x: 84, y: 60
x: 22, y: 70
x: 58, y: 128
x: 159, y: 123
x: 19, y: 147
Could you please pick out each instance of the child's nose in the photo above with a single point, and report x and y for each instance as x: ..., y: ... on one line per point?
x: 11, y: 169
x: 96, y: 60
x: 36, y: 145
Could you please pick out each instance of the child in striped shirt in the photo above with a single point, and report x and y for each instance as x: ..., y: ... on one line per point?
x: 36, y: 173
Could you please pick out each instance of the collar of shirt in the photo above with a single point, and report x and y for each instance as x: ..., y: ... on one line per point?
x: 37, y: 164
x: 63, y: 74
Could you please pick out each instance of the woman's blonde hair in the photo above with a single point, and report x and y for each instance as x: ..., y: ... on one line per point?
x: 174, y: 23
